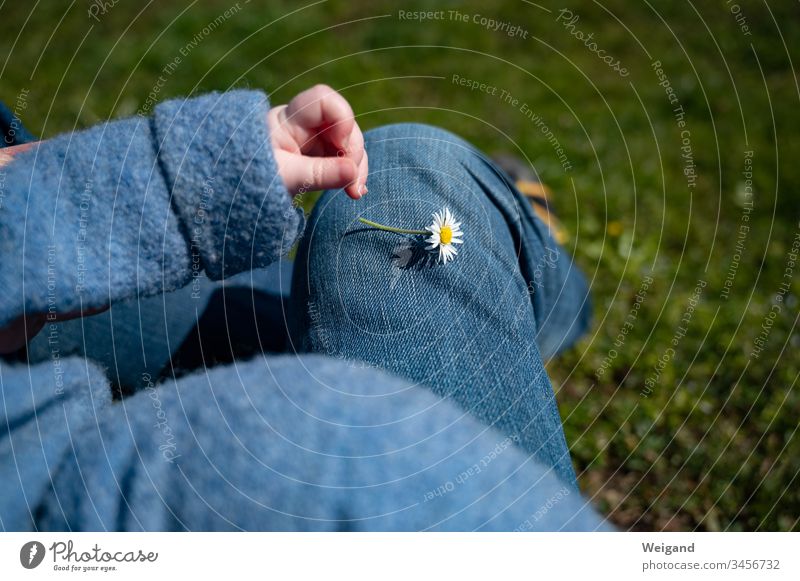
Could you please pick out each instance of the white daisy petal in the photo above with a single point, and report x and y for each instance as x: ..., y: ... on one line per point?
x: 444, y: 223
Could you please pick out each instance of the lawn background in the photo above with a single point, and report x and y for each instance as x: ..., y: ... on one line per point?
x: 715, y: 445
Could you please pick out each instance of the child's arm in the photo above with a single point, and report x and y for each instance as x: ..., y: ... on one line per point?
x: 135, y: 207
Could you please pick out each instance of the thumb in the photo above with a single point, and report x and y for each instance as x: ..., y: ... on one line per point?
x: 301, y: 173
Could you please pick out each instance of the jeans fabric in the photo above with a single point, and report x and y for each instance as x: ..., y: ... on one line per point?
x: 473, y: 330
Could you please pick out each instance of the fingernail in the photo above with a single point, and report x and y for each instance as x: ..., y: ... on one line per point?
x: 362, y: 189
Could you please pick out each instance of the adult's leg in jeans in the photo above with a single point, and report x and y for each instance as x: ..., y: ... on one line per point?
x: 470, y: 330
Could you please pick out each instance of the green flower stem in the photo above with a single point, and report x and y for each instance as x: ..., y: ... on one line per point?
x: 391, y: 229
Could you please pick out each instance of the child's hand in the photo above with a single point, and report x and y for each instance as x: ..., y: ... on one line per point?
x: 318, y: 144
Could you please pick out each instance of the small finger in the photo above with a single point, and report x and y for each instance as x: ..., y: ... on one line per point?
x: 355, y: 150
x: 321, y: 109
x: 359, y: 187
x: 304, y: 173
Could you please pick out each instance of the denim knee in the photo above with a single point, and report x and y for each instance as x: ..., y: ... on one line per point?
x: 465, y: 329
x: 562, y: 305
x: 416, y: 131
x: 420, y: 146
x: 452, y: 171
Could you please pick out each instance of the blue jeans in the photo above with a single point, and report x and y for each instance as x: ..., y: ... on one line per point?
x: 414, y: 396
x: 474, y: 331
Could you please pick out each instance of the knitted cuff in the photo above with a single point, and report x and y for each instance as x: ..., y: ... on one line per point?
x: 216, y: 155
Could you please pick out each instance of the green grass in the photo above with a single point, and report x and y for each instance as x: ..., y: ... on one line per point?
x: 714, y: 446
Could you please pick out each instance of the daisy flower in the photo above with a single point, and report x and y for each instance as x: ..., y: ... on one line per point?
x: 445, y: 232
x: 442, y: 235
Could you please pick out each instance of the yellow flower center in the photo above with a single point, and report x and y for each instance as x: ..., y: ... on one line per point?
x: 446, y: 234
